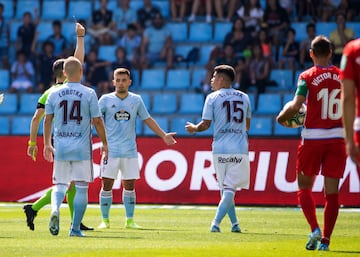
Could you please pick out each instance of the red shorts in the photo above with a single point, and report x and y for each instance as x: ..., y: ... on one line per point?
x: 328, y: 156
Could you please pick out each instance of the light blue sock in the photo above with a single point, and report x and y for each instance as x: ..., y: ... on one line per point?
x: 105, y: 203
x: 80, y: 204
x: 231, y: 213
x: 57, y: 197
x: 226, y: 201
x: 129, y: 200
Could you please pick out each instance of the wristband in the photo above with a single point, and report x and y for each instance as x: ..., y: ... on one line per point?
x: 80, y: 36
x: 31, y: 143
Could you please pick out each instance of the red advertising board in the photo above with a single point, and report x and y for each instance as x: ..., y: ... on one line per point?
x: 180, y: 174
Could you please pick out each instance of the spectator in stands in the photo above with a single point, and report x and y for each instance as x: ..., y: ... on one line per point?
x: 307, y: 8
x: 177, y: 9
x: 238, y: 37
x: 26, y: 33
x: 305, y: 60
x: 259, y: 69
x: 277, y: 20
x: 157, y: 44
x: 224, y: 55
x: 102, y: 24
x: 290, y: 52
x: 252, y: 13
x: 266, y: 45
x: 58, y: 39
x: 131, y: 42
x: 289, y: 6
x: 22, y: 74
x: 353, y: 11
x: 329, y: 8
x: 196, y: 6
x: 340, y: 36
x: 120, y: 62
x: 145, y: 14
x: 43, y: 64
x: 4, y: 39
x: 123, y: 16
x: 225, y: 8
x: 96, y: 73
x: 242, y: 78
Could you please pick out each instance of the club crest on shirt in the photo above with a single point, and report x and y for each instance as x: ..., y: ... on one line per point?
x: 122, y: 116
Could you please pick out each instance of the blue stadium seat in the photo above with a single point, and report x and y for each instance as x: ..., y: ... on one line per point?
x: 164, y: 7
x: 220, y: 30
x: 177, y: 125
x: 135, y: 76
x: 4, y: 126
x: 268, y: 103
x: 23, y: 6
x: 4, y: 80
x: 205, y: 51
x: 153, y: 79
x: 111, y: 5
x: 260, y: 126
x: 14, y: 25
x: 325, y: 28
x: 163, y: 123
x: 28, y: 103
x: 198, y: 77
x: 21, y: 125
x: 183, y: 49
x: 8, y: 9
x: 191, y: 103
x: 178, y: 79
x: 107, y: 53
x: 300, y: 28
x: 80, y: 9
x: 53, y: 10
x: 179, y: 31
x: 252, y: 101
x: 45, y: 30
x: 287, y: 98
x: 136, y: 4
x: 200, y: 32
x: 280, y: 130
x: 164, y: 103
x: 9, y: 105
x: 283, y: 78
x: 68, y: 30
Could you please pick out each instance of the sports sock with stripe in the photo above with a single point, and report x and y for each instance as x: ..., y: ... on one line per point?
x: 105, y: 203
x: 129, y: 200
x: 226, y: 201
x: 308, y: 207
x: 80, y: 204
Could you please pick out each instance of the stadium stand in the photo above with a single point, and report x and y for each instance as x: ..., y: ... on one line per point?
x: 27, y: 103
x: 163, y: 123
x: 184, y: 81
x: 164, y: 103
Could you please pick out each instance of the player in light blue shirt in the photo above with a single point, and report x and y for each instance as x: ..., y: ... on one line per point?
x: 72, y: 107
x: 230, y: 111
x: 120, y: 110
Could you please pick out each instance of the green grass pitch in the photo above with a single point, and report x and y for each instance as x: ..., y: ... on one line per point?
x: 175, y: 231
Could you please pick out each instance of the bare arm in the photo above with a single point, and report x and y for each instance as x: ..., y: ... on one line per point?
x: 34, y: 128
x: 348, y: 103
x: 100, y: 129
x: 80, y: 47
x: 291, y: 109
x: 154, y: 126
x: 48, y: 149
x: 201, y: 126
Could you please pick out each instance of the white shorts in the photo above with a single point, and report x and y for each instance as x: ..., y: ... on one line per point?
x: 232, y: 170
x: 128, y: 167
x: 66, y: 171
